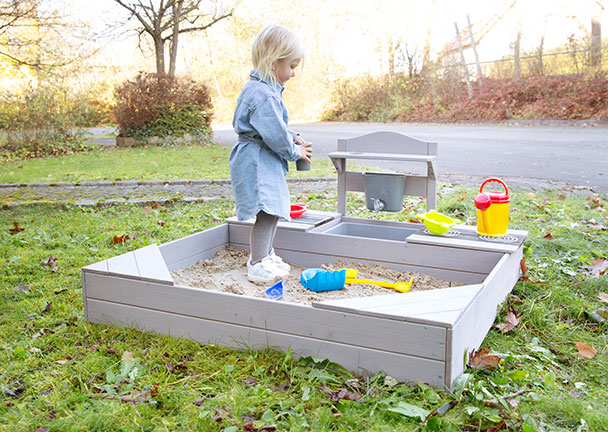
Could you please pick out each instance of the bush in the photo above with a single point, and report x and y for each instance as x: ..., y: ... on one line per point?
x: 158, y: 105
x: 561, y: 97
x: 38, y: 122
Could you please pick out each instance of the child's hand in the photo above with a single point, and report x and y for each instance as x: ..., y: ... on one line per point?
x: 305, y: 150
x: 298, y: 139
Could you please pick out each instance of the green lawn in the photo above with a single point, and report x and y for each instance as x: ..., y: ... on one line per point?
x: 61, y: 373
x: 138, y: 163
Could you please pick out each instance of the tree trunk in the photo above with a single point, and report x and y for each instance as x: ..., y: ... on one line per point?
x: 177, y: 11
x: 596, y: 43
x: 159, y: 49
x: 516, y: 64
x: 394, y: 45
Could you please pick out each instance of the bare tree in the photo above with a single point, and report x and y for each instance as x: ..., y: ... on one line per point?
x: 165, y: 20
x: 35, y: 36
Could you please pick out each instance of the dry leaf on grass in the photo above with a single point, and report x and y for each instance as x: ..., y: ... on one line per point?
x: 598, y: 267
x: 603, y: 297
x: 585, y: 350
x: 16, y: 228
x: 511, y: 321
x: 481, y: 359
x: 120, y: 239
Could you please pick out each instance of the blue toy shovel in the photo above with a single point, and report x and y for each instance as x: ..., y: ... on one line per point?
x: 317, y: 280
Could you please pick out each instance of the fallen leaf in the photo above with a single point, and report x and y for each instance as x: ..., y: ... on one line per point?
x: 61, y: 362
x: 481, y: 359
x: 585, y: 350
x: 511, y: 321
x: 120, y: 239
x: 524, y: 270
x: 340, y: 395
x: 597, y: 268
x: 161, y: 223
x: 561, y: 197
x: 24, y: 288
x: 52, y: 264
x: 34, y: 350
x: 594, y: 202
x: 409, y: 410
x: 603, y: 297
x: 61, y: 291
x: 574, y: 393
x: 16, y: 228
x: 47, y: 308
x: 523, y: 267
x: 251, y: 381
x: 93, y: 347
x: 548, y: 235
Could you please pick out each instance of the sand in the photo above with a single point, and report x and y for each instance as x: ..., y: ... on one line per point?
x: 227, y: 272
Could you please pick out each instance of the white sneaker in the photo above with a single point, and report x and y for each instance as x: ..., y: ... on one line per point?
x: 282, y: 265
x: 265, y: 271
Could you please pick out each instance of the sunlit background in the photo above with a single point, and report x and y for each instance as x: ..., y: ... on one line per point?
x: 344, y: 38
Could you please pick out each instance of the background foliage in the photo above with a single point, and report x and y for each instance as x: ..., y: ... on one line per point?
x: 159, y: 105
x: 403, y: 98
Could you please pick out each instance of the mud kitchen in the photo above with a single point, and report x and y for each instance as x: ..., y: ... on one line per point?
x: 412, y: 336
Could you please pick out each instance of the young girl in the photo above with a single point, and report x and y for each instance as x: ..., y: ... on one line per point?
x: 258, y: 161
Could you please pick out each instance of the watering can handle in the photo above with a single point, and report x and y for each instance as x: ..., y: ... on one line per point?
x: 494, y: 180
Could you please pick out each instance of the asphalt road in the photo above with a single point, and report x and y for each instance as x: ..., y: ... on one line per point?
x: 571, y: 153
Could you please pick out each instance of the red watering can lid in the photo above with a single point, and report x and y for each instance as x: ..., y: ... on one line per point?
x: 496, y: 197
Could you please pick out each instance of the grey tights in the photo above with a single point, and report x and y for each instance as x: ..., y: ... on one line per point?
x: 262, y: 236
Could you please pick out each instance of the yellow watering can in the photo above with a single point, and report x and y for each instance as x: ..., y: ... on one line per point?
x: 492, y: 210
x: 403, y: 287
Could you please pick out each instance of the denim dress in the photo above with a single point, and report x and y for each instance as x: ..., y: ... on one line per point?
x: 258, y: 161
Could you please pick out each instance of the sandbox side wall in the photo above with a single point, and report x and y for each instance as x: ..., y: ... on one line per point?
x: 408, y: 351
x: 312, y: 249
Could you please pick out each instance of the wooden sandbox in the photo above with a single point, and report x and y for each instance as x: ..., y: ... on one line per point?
x: 416, y: 336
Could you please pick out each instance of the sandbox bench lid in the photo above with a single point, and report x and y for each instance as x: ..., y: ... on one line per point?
x: 309, y: 220
x: 438, y: 307
x: 146, y: 264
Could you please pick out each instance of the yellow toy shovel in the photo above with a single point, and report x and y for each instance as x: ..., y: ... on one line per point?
x: 351, y: 278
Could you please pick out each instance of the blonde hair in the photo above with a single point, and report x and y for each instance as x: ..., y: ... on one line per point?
x: 273, y: 43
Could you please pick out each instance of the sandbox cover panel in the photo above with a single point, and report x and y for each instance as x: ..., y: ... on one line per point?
x: 146, y: 263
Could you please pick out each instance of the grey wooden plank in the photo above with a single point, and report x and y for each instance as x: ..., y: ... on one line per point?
x: 398, y: 252
x: 151, y: 265
x: 472, y: 229
x: 415, y: 185
x: 403, y: 367
x: 398, y: 157
x: 310, y: 219
x: 311, y: 260
x: 100, y: 267
x: 388, y: 335
x: 449, y: 355
x: 386, y: 142
x: 476, y: 320
x: 417, y: 305
x: 462, y: 243
x: 193, y: 259
x: 84, y: 294
x: 124, y: 265
x: 187, y: 247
